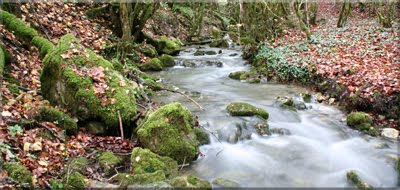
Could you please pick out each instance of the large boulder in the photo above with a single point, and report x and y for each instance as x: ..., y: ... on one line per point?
x: 152, y: 65
x: 361, y: 121
x: 164, y: 45
x: 169, y: 132
x: 86, y: 84
x: 219, y: 43
x: 245, y: 109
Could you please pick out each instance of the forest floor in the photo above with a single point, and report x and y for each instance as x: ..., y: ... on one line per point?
x: 362, y: 56
x: 21, y: 97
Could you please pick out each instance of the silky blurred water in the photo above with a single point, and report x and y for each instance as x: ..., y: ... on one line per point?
x: 318, y: 153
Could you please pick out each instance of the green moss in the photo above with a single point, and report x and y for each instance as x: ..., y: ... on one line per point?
x: 78, y: 164
x: 109, y: 161
x: 167, y: 60
x: 153, y: 65
x: 18, y: 172
x: 254, y: 80
x: 2, y: 60
x: 361, y: 121
x: 225, y: 182
x: 75, y: 180
x: 191, y: 182
x: 63, y: 120
x: 63, y: 87
x: 201, y: 136
x: 169, y: 132
x: 144, y: 161
x: 125, y: 179
x: 306, y: 97
x: 236, y: 75
x: 168, y: 46
x: 44, y: 45
x: 13, y: 88
x: 149, y: 51
x: 12, y: 23
x: 245, y: 109
x: 220, y: 43
x: 353, y: 178
x: 244, y: 76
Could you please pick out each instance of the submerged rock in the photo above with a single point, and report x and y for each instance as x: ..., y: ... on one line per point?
x: 361, y: 121
x: 262, y: 128
x: 225, y: 182
x: 169, y: 132
x: 199, y: 53
x: 390, y: 133
x: 354, y: 179
x: 291, y: 104
x: 190, y: 182
x: 219, y: 43
x: 236, y: 75
x: 280, y: 131
x: 153, y: 65
x: 245, y: 109
x: 201, y: 136
x: 86, y: 85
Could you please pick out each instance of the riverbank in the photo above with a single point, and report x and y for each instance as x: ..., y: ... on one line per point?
x: 356, y: 67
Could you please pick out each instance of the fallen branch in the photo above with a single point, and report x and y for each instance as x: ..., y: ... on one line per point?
x: 183, y: 165
x: 120, y: 125
x: 54, y: 133
x: 183, y: 94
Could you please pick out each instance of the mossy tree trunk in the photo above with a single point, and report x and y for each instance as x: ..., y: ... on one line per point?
x: 303, y: 26
x: 313, y: 9
x: 344, y: 13
x: 197, y: 20
x: 386, y: 12
x: 133, y: 17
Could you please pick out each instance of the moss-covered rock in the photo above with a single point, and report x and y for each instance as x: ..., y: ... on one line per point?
x: 85, y: 84
x: 191, y: 182
x: 78, y: 164
x: 18, y: 172
x: 108, y: 161
x: 236, y: 75
x: 201, y: 136
x: 167, y: 60
x: 220, y: 43
x: 144, y: 161
x: 225, y: 182
x: 125, y: 179
x: 354, y: 179
x: 153, y: 65
x: 75, y: 180
x: 306, y: 97
x: 63, y: 120
x: 164, y: 45
x: 245, y: 109
x: 361, y: 121
x: 169, y: 132
x: 199, y: 53
x: 149, y: 51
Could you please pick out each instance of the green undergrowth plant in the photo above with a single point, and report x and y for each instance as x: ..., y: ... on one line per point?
x: 275, y: 61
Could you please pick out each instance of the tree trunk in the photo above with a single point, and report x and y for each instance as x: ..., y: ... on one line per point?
x: 125, y: 10
x: 303, y: 26
x: 344, y: 13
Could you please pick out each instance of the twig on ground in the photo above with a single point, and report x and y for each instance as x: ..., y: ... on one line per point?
x: 54, y: 133
x: 120, y: 125
x: 183, y: 165
x: 183, y: 94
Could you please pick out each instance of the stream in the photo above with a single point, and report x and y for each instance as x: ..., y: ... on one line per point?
x: 318, y: 152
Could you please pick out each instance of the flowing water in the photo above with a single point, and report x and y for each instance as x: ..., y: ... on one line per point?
x: 318, y: 152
